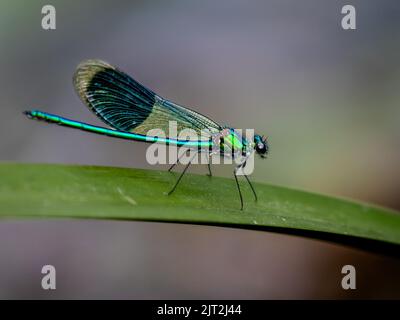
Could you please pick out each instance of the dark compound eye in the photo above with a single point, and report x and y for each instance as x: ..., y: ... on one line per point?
x: 261, y: 145
x: 261, y: 148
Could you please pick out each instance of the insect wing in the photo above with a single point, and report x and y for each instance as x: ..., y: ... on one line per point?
x: 126, y: 105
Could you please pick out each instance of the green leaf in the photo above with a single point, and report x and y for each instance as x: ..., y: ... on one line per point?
x: 43, y: 190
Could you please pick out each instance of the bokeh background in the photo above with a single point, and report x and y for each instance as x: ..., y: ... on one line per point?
x: 327, y: 98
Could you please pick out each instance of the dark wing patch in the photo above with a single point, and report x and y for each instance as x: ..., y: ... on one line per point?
x: 113, y: 96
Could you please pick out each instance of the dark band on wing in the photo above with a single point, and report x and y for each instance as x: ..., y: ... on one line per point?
x: 115, y: 97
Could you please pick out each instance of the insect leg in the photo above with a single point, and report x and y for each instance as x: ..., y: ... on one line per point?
x: 209, y: 160
x: 177, y: 161
x: 209, y: 168
x: 183, y: 172
x: 248, y: 180
x: 173, y: 165
x: 209, y: 155
x: 238, y: 187
x: 252, y: 188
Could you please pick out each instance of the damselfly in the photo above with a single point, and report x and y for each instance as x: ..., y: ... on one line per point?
x: 131, y: 110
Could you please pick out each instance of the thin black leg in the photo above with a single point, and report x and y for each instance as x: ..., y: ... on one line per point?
x: 251, y: 186
x: 171, y: 167
x: 238, y: 187
x: 177, y: 161
x: 183, y: 172
x: 208, y: 163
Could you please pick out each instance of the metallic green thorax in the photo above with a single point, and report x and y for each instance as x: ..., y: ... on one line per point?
x: 232, y: 143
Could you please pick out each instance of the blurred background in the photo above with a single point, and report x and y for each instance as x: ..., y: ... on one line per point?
x: 327, y: 98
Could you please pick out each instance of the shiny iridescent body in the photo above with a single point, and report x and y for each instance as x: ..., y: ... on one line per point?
x: 132, y: 111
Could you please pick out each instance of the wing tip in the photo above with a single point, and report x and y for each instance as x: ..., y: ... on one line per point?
x: 94, y: 62
x: 87, y: 69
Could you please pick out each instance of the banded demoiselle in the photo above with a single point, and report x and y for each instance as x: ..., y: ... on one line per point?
x: 131, y: 110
